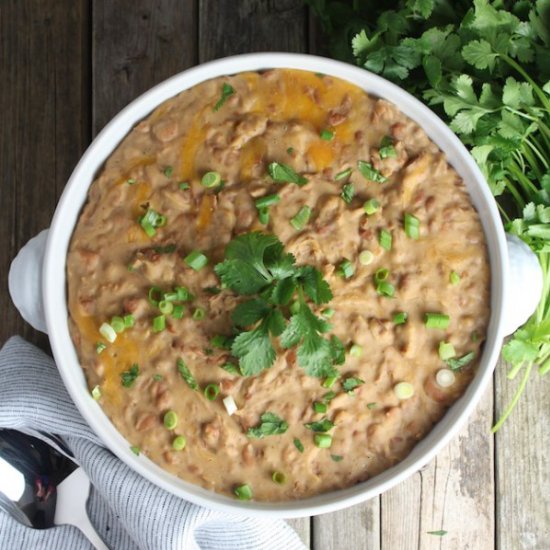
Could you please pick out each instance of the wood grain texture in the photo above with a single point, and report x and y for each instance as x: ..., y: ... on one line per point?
x: 355, y: 528
x: 228, y: 28
x: 302, y: 526
x: 135, y: 46
x: 523, y: 464
x: 44, y: 122
x: 455, y: 493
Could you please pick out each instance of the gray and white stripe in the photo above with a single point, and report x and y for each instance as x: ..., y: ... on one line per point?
x: 127, y: 511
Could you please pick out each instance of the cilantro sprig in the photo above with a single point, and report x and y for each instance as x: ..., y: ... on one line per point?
x: 256, y: 265
x: 484, y: 67
x: 270, y: 424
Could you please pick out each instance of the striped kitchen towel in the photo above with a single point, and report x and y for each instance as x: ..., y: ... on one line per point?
x: 127, y: 511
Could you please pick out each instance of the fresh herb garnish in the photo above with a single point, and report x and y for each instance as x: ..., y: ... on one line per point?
x: 283, y: 173
x: 349, y: 384
x: 348, y: 192
x: 168, y: 171
x: 321, y: 426
x: 168, y: 249
x: 457, y: 364
x: 298, y: 444
x: 369, y: 172
x: 343, y: 174
x: 157, y: 377
x: 135, y: 450
x: 227, y: 91
x: 387, y: 150
x: 371, y: 405
x: 185, y: 373
x: 270, y: 424
x: 183, y: 185
x: 231, y: 368
x: 336, y: 458
x: 439, y: 533
x: 255, y: 264
x: 129, y: 377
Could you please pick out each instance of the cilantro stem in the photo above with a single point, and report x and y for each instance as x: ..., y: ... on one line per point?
x: 515, y: 399
x: 528, y: 154
x: 512, y: 188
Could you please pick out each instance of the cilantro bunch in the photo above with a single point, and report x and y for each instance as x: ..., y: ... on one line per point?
x: 484, y: 67
x: 256, y: 265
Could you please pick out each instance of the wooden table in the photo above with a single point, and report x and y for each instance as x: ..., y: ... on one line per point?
x: 68, y: 66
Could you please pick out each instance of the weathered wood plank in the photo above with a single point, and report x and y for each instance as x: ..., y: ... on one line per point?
x: 135, y: 46
x: 355, y: 528
x: 44, y: 106
x: 302, y: 526
x: 455, y: 493
x: 522, y: 464
x: 228, y: 28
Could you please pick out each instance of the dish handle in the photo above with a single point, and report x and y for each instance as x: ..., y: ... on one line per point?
x: 526, y: 282
x: 25, y: 281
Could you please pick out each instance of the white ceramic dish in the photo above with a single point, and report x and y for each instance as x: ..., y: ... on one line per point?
x: 27, y: 268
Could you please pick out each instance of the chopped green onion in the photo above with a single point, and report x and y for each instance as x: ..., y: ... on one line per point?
x: 148, y: 228
x: 154, y: 295
x: 301, y: 218
x: 129, y: 321
x: 179, y: 442
x: 168, y: 249
x: 336, y: 458
x: 170, y: 420
x: 229, y: 404
x: 348, y: 192
x: 457, y: 364
x: 445, y: 378
x: 319, y: 407
x: 446, y: 351
x: 454, y: 278
x: 211, y: 391
x: 168, y: 171
x: 159, y: 323
x: 366, y: 257
x: 412, y: 226
x: 131, y: 181
x: 231, y: 369
x: 166, y: 307
x: 400, y: 317
x: 199, y: 313
x: 99, y: 347
x: 183, y: 185
x: 404, y: 390
x: 298, y: 444
x: 135, y: 450
x: 343, y: 174
x: 267, y: 200
x: 117, y: 323
x: 371, y: 405
x: 196, y: 260
x: 329, y: 381
x: 385, y: 239
x: 96, y: 393
x: 387, y: 150
x: 108, y: 332
x: 263, y: 215
x: 329, y: 396
x: 211, y: 179
x: 383, y: 288
x: 243, y: 492
x: 279, y: 478
x: 356, y: 350
x: 346, y: 269
x: 290, y: 150
x: 328, y: 312
x: 183, y: 294
x: 150, y: 220
x: 369, y: 172
x: 381, y: 274
x: 170, y: 297
x: 436, y: 320
x: 327, y: 135
x: 371, y: 206
x: 157, y: 377
x: 323, y: 441
x: 283, y: 173
x: 178, y: 312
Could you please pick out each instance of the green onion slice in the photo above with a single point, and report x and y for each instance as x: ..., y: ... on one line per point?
x: 263, y: 215
x: 170, y: 420
x: 96, y: 393
x: 371, y: 206
x: 243, y: 492
x: 387, y: 150
x: 381, y: 274
x: 154, y: 295
x: 412, y: 226
x: 400, y: 317
x: 108, y: 332
x: 267, y: 200
x: 446, y: 351
x: 129, y: 321
x: 436, y: 320
x: 454, y: 278
x: 179, y: 442
x: 166, y: 307
x: 199, y: 314
x: 159, y: 323
x: 327, y: 135
x: 211, y: 391
x: 346, y: 269
x: 383, y: 288
x: 301, y: 218
x: 356, y: 350
x: 211, y: 179
x: 279, y: 478
x: 385, y: 239
x: 369, y: 172
x: 366, y: 257
x: 178, y: 312
x: 320, y: 407
x: 196, y: 260
x: 343, y: 174
x: 323, y: 441
x: 99, y: 347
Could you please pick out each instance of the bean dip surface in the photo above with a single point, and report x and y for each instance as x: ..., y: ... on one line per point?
x: 374, y: 207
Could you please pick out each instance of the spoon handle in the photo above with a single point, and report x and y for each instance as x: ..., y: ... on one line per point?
x: 72, y: 495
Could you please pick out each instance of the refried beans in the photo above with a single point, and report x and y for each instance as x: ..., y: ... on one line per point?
x: 357, y: 191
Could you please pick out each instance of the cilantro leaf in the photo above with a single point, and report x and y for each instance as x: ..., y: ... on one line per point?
x: 321, y: 426
x: 349, y: 384
x: 250, y: 312
x: 270, y: 424
x: 299, y: 445
x: 185, y: 373
x: 314, y: 285
x: 283, y: 173
x: 227, y: 91
x: 254, y: 350
x: 337, y: 350
x: 479, y: 53
x: 129, y: 377
x: 283, y: 291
